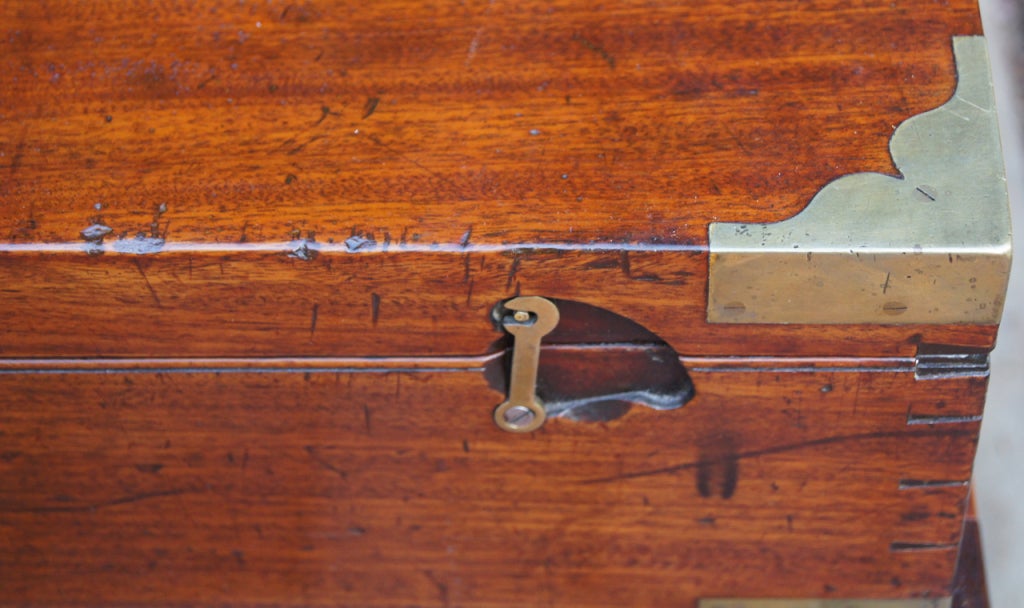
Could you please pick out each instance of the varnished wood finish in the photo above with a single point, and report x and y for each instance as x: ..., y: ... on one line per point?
x: 284, y: 226
x: 370, y: 489
x: 458, y: 137
x: 393, y: 304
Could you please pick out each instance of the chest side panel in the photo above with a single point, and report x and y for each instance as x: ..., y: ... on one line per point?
x: 355, y: 488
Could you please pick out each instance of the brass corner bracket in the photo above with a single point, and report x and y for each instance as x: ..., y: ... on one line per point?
x: 930, y: 247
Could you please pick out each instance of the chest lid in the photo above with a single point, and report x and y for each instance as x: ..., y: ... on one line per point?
x: 324, y: 179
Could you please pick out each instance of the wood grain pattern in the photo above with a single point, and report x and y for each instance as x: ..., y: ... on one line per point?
x: 273, y: 304
x: 291, y: 221
x: 389, y: 164
x: 370, y: 489
x: 435, y: 118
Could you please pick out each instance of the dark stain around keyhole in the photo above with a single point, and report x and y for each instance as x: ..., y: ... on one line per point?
x: 596, y: 365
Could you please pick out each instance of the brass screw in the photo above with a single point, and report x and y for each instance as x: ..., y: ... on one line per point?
x: 521, y: 316
x: 518, y: 415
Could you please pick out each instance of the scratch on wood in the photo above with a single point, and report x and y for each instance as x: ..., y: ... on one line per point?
x: 323, y: 463
x: 604, y: 262
x: 624, y: 263
x: 154, y: 227
x: 469, y: 293
x: 325, y: 111
x: 149, y: 286
x: 312, y: 320
x: 885, y: 287
x: 442, y: 588
x: 513, y: 269
x: 133, y: 498
x: 596, y: 48
x: 374, y: 308
x: 455, y: 188
x: 370, y: 107
x: 779, y: 449
x: 474, y: 44
x: 19, y: 152
x: 739, y: 142
x: 302, y: 146
x: 208, y: 80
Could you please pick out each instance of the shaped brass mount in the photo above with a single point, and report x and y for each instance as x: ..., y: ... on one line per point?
x: 932, y: 246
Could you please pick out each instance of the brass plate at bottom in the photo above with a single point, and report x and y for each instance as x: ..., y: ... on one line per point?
x: 819, y: 603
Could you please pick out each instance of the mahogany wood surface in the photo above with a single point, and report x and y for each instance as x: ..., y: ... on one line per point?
x: 352, y: 488
x: 249, y: 253
x: 221, y: 305
x: 369, y: 179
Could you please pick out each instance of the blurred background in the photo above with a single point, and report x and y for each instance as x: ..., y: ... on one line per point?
x: 999, y: 468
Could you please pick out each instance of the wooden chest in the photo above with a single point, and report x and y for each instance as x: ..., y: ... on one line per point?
x: 493, y: 304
